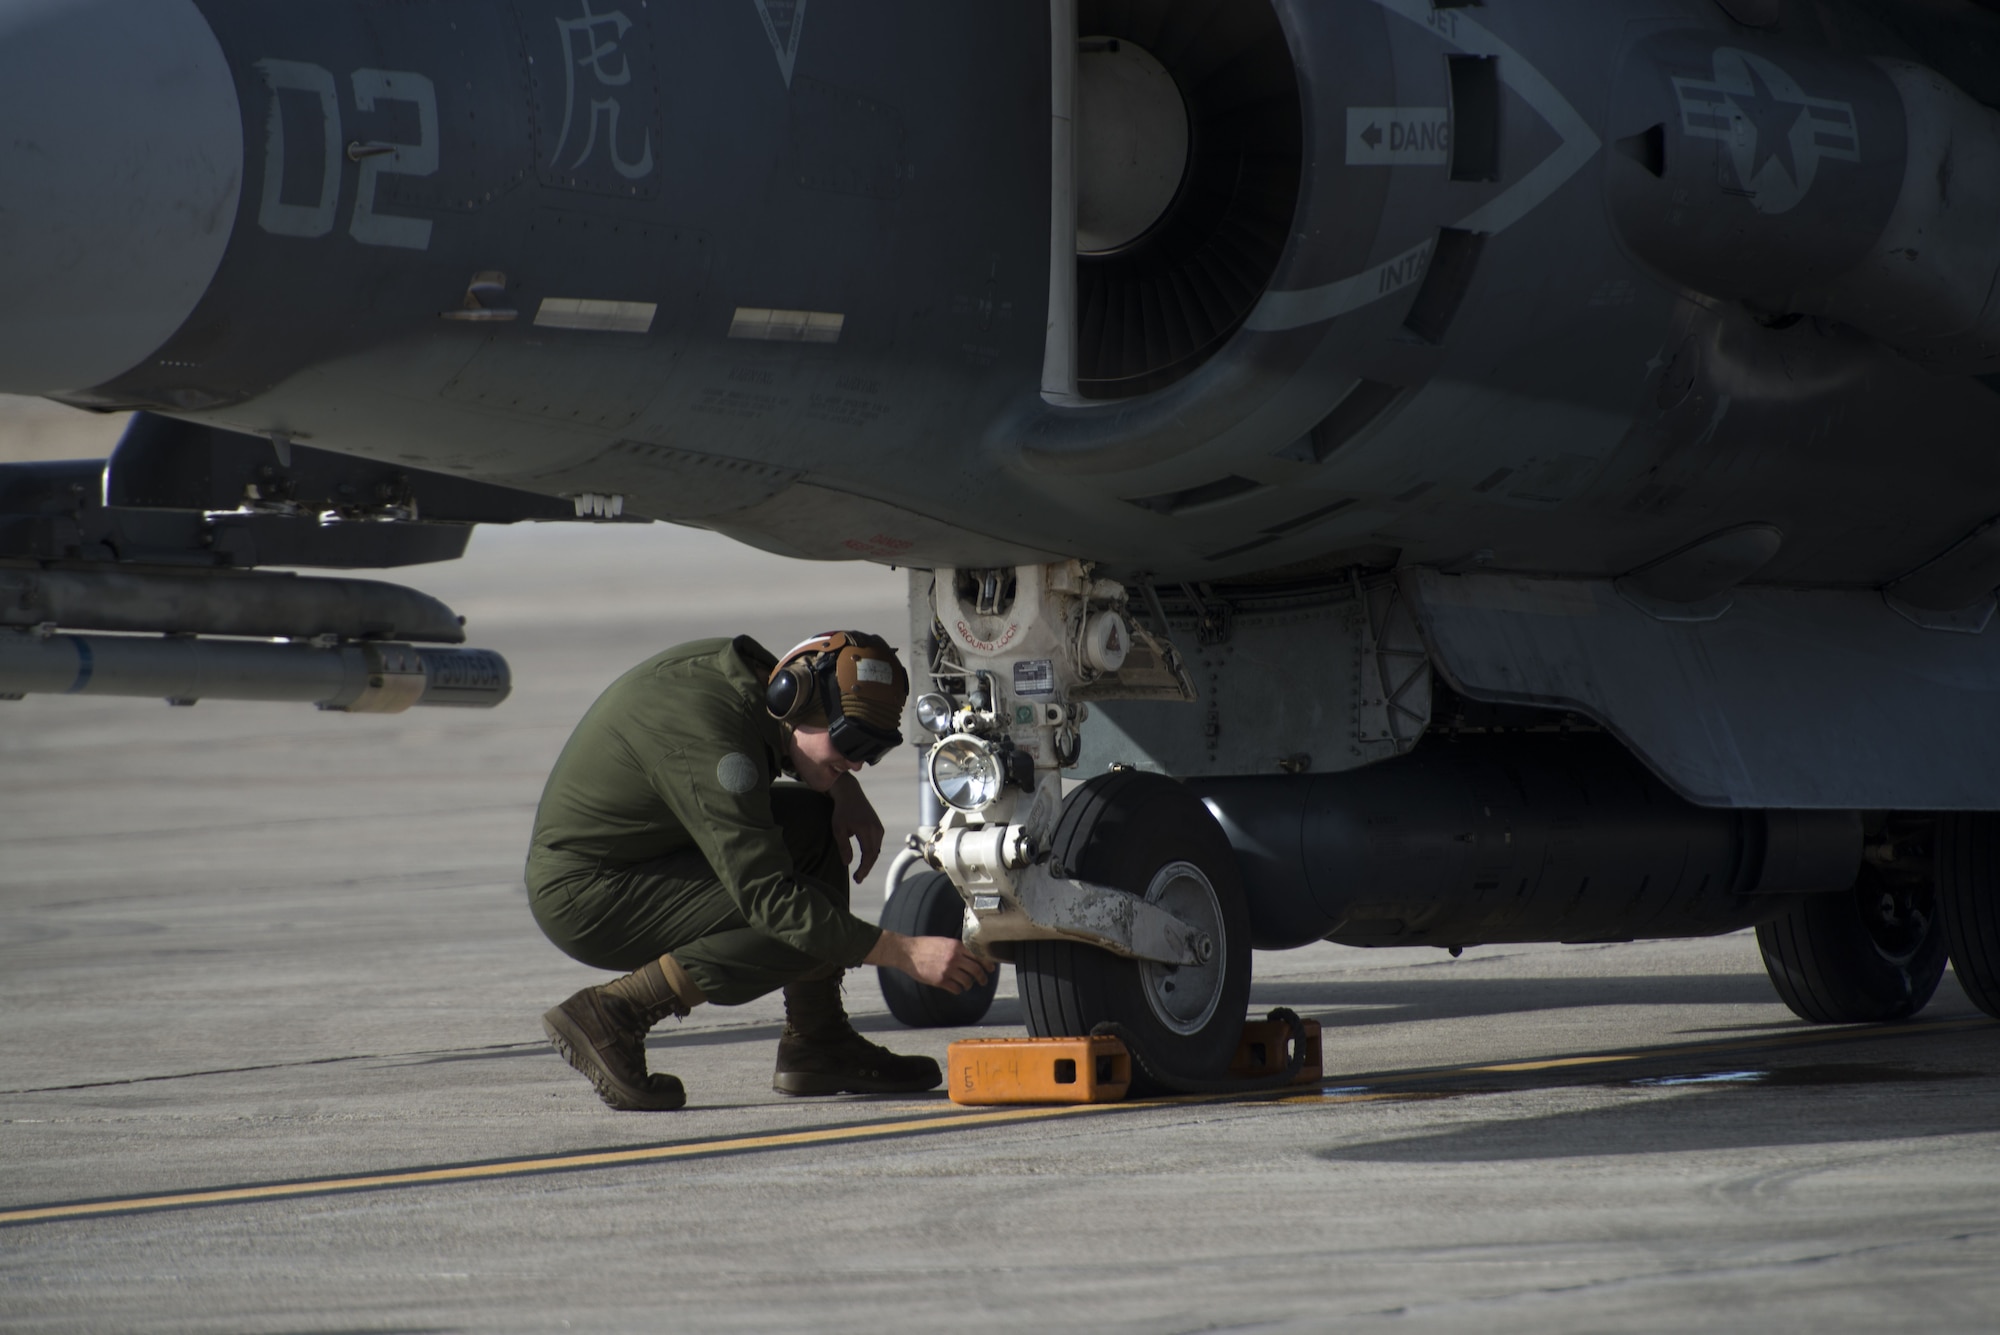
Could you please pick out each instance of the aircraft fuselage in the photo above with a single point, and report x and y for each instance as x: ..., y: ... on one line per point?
x: 784, y: 271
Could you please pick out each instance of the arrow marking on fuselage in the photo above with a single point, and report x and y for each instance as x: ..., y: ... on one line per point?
x: 783, y: 28
x: 1279, y: 311
x: 1398, y: 136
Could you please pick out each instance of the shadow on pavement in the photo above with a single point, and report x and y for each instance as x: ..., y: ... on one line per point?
x: 1704, y: 1102
x: 1398, y: 1001
x: 1719, y: 1117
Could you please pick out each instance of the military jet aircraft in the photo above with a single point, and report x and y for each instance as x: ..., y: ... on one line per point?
x: 1443, y: 471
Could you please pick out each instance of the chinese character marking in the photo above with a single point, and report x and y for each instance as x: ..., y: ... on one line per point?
x: 591, y: 43
x: 1776, y: 135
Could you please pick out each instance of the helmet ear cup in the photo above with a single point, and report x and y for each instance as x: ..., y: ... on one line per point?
x: 790, y: 690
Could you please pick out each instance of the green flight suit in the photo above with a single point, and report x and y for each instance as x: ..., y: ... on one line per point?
x: 663, y: 831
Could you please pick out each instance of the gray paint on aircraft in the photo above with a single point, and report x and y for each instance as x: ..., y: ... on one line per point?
x: 1571, y: 384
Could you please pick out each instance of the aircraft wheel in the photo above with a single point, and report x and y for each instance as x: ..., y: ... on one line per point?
x: 1149, y: 836
x: 928, y: 904
x: 1969, y: 900
x: 1869, y: 954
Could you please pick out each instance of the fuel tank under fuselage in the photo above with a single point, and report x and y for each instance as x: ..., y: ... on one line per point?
x: 784, y: 272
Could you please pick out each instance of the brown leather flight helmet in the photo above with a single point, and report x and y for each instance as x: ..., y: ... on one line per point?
x: 849, y: 682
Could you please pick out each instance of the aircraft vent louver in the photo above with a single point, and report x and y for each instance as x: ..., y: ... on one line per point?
x: 1154, y: 309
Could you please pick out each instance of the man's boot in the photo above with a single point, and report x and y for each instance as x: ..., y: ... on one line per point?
x: 821, y: 1054
x: 601, y: 1031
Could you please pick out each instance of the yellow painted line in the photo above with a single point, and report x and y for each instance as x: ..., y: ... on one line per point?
x: 943, y: 1119
x: 550, y: 1164
x: 1554, y: 1063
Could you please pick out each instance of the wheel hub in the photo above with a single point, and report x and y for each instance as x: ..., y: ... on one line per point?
x: 1897, y: 917
x: 1183, y: 997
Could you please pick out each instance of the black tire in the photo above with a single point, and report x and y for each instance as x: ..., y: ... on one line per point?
x: 1968, y: 888
x: 1138, y: 832
x: 927, y: 904
x: 1858, y: 956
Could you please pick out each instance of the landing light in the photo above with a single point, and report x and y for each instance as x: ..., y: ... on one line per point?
x: 934, y: 713
x: 966, y: 773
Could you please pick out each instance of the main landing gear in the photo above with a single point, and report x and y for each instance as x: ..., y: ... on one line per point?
x: 1968, y: 893
x: 1866, y: 955
x: 1876, y: 951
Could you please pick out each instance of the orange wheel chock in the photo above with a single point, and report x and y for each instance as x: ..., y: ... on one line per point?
x: 988, y: 1071
x: 1039, y: 1070
x: 1262, y: 1052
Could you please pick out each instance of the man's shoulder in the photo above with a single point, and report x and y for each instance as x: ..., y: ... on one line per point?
x: 738, y: 656
x: 703, y: 697
x: 729, y: 672
x: 754, y: 656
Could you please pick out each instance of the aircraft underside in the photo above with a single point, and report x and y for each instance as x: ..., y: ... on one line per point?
x: 1527, y: 471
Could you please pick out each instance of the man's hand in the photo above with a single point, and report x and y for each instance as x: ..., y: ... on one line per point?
x: 854, y: 819
x: 939, y: 961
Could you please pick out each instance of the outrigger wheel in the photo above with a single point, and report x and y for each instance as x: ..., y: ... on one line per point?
x: 928, y: 904
x: 1149, y: 836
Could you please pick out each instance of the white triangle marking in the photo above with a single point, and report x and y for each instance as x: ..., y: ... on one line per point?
x: 785, y: 46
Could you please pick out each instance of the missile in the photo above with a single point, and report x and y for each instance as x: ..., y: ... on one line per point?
x: 367, y: 678
x: 341, y: 644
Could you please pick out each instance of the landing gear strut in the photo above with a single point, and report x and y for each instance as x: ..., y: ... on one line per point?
x: 1121, y: 903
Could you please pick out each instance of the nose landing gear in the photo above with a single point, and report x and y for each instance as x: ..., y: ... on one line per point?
x: 1119, y: 904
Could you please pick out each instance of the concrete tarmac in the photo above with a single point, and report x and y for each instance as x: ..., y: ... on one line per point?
x: 243, y: 946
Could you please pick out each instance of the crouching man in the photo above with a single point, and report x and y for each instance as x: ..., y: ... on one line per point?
x: 666, y: 845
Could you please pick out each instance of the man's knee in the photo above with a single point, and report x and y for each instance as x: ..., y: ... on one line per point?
x: 621, y: 917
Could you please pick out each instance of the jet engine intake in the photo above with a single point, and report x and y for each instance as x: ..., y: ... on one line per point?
x: 1188, y: 152
x: 1511, y: 838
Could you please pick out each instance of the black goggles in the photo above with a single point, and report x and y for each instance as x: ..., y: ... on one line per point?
x: 860, y: 743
